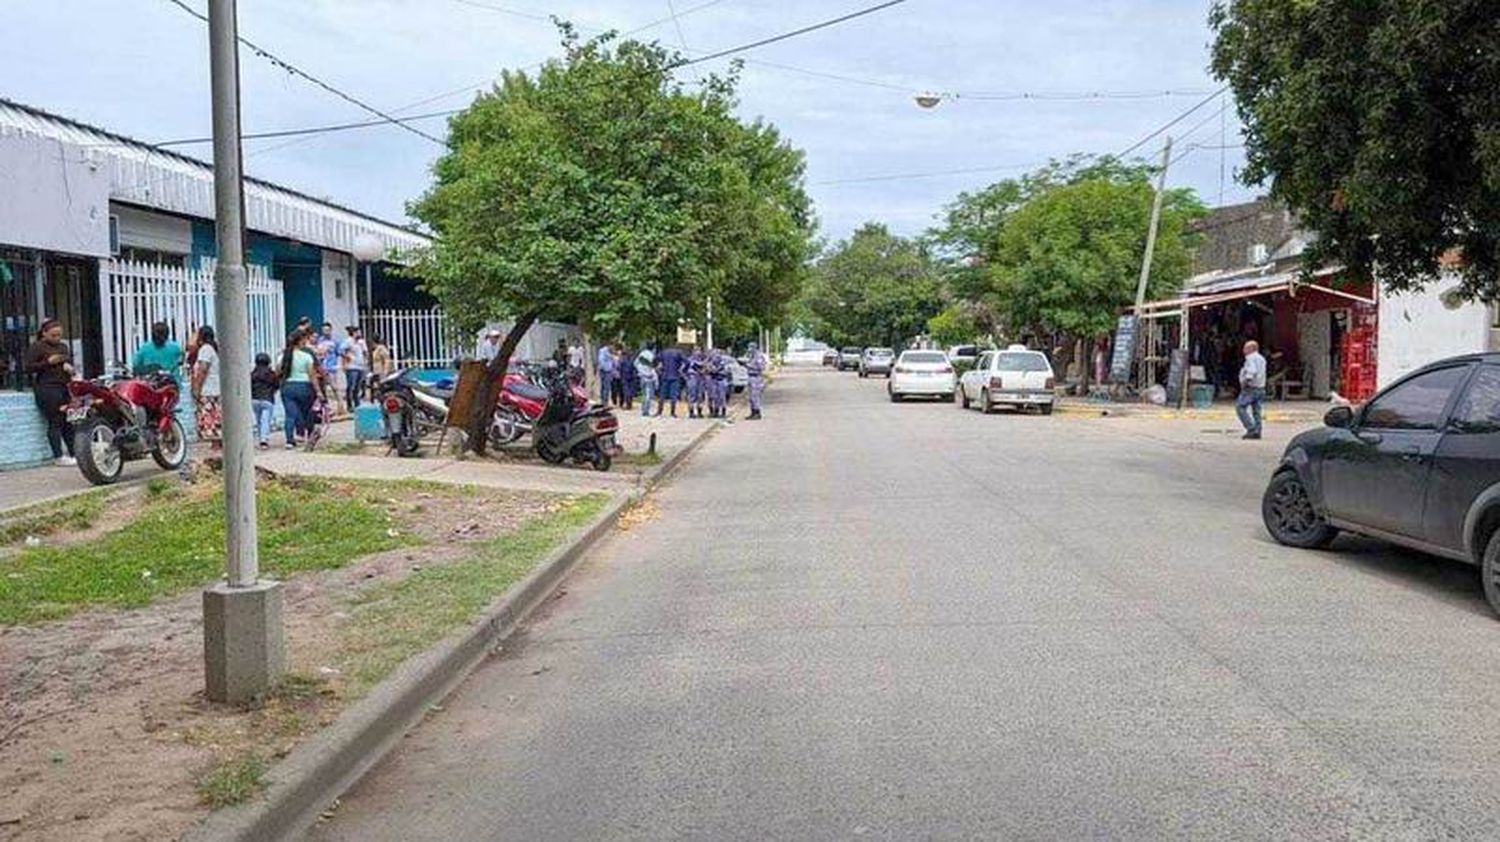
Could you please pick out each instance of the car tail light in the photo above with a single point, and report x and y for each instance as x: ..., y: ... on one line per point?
x: 392, y: 404
x: 947, y: 369
x: 1051, y: 382
x: 900, y: 370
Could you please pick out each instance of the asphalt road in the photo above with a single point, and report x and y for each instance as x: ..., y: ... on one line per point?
x: 864, y: 620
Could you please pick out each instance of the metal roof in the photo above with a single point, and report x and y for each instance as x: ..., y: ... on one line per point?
x: 149, y: 176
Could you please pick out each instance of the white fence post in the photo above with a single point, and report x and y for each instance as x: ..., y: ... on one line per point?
x: 417, y: 338
x: 136, y: 295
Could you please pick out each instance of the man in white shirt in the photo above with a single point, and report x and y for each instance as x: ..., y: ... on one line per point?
x: 490, y: 347
x: 1252, y: 390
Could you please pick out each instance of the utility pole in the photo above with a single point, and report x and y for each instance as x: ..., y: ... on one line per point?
x: 243, y: 647
x: 1161, y: 191
x: 710, y: 330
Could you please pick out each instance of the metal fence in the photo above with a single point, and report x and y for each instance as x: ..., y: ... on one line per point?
x: 135, y: 295
x: 424, y: 338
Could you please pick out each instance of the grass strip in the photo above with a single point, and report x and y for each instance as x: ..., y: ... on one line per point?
x: 392, y: 622
x: 77, y: 512
x: 177, y: 543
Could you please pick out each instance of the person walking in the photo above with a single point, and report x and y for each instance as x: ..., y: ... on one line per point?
x: 673, y: 364
x: 328, y: 360
x: 355, y: 356
x: 264, y: 383
x: 1252, y: 390
x: 756, y: 363
x: 695, y: 365
x: 718, y: 383
x: 645, y: 373
x: 49, y: 361
x: 605, y: 360
x: 298, y: 372
x: 205, y: 387
x: 160, y: 354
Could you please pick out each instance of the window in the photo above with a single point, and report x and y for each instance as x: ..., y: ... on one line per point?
x: 1478, y: 411
x: 924, y: 357
x: 984, y: 363
x: 1416, y: 404
x: 1023, y: 362
x: 163, y: 258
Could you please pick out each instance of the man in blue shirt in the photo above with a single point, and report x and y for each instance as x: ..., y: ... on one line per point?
x: 606, y: 363
x: 160, y: 354
x: 1252, y: 390
x: 672, y: 363
x: 328, y: 361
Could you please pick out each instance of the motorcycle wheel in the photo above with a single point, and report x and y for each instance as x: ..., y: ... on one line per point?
x: 504, y: 428
x: 549, y: 453
x: 98, y: 456
x: 171, y: 447
x: 600, y: 460
x: 406, y: 446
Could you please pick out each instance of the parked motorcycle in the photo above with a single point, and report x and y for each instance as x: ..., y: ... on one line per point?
x: 522, y: 401
x: 116, y: 421
x: 413, y: 410
x: 564, y: 430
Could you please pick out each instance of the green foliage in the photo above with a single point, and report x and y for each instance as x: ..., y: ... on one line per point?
x: 873, y: 289
x: 955, y: 325
x: 173, y: 545
x: 1069, y: 259
x: 1378, y: 123
x: 72, y: 513
x: 600, y: 192
x: 391, y: 622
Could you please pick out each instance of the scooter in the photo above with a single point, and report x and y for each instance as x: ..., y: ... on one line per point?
x: 565, y: 430
x: 116, y: 421
x: 522, y: 401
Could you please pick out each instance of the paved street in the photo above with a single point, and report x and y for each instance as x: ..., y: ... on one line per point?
x: 860, y: 619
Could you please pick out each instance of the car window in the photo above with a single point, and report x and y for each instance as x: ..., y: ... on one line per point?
x: 1023, y: 361
x: 1416, y: 404
x: 924, y: 357
x: 1478, y: 411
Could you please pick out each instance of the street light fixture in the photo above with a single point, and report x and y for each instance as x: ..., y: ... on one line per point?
x: 367, y: 248
x: 928, y: 100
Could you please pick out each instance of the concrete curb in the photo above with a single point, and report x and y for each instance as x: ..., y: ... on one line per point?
x: 656, y: 476
x: 317, y: 772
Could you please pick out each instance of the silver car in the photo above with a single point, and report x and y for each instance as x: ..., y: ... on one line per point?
x: 876, y: 361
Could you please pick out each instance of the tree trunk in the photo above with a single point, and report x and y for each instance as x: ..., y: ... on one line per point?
x: 1088, y: 364
x: 489, y: 391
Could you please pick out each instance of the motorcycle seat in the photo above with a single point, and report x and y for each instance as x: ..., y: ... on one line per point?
x: 434, y: 391
x: 530, y: 391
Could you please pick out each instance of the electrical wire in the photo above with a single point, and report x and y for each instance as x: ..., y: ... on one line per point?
x: 1170, y: 123
x: 297, y: 71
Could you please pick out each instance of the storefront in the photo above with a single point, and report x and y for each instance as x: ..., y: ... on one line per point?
x: 1319, y: 335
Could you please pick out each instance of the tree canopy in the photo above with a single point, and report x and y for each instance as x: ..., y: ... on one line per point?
x: 601, y: 192
x: 1378, y: 123
x: 873, y: 289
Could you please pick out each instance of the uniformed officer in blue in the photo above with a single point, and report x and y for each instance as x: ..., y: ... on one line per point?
x: 756, y: 363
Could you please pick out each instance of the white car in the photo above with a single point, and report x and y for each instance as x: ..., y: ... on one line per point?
x: 739, y: 376
x: 927, y: 373
x: 1017, y: 377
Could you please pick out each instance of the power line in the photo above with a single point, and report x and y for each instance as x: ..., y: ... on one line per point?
x: 765, y: 42
x: 297, y: 71
x: 336, y: 127
x: 933, y: 174
x: 1170, y: 123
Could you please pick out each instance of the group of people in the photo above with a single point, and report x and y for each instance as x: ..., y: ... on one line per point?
x: 313, y: 364
x: 49, y: 360
x: 661, y: 379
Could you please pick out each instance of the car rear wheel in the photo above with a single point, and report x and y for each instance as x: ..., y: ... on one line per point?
x: 984, y: 403
x: 895, y: 398
x: 1046, y: 409
x: 1290, y: 516
x: 963, y: 398
x: 1489, y: 572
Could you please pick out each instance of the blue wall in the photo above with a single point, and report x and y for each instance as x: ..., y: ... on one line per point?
x: 25, y: 441
x: 298, y: 266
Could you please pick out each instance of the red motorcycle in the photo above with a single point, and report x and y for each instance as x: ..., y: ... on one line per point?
x: 116, y: 422
x: 521, y: 403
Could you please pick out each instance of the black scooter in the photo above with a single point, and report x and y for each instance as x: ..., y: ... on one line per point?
x: 563, y: 430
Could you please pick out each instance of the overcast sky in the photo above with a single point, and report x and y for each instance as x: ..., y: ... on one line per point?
x: 139, y: 67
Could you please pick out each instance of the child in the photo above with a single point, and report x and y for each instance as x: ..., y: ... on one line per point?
x: 264, y: 381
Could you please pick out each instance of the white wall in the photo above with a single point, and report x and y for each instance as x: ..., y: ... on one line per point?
x: 338, y: 277
x: 1419, y: 328
x: 53, y: 196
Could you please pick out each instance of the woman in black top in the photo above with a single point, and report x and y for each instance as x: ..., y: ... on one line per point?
x: 50, y: 361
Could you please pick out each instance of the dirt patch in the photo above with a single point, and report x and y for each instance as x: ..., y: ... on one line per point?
x: 106, y: 734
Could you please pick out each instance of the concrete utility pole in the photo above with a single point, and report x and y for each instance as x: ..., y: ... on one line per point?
x: 243, y: 648
x: 1140, y: 288
x: 710, y: 330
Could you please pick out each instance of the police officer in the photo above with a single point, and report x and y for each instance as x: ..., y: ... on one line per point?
x: 755, y: 364
x: 696, y: 364
x: 718, y: 388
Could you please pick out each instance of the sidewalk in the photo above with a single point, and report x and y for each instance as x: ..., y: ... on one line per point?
x: 1308, y: 411
x: 521, y: 471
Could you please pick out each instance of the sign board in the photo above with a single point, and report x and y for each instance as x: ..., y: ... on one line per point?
x: 1124, y: 352
x: 687, y: 336
x: 1177, y: 372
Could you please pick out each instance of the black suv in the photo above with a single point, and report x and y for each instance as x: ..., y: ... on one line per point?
x: 1419, y: 466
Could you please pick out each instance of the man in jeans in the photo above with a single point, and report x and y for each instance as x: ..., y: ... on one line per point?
x: 356, y: 358
x: 1252, y: 390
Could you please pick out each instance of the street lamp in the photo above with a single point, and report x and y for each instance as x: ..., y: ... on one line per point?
x: 928, y: 100
x: 367, y: 249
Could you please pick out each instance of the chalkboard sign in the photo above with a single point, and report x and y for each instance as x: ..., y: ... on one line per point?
x: 1119, y: 363
x: 1177, y: 371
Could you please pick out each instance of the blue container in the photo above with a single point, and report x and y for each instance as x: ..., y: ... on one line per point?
x: 1203, y: 395
x: 369, y: 422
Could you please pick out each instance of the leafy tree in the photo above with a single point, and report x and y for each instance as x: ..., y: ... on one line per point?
x: 1068, y: 260
x: 1378, y: 122
x: 955, y: 325
x: 602, y: 193
x: 873, y: 289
